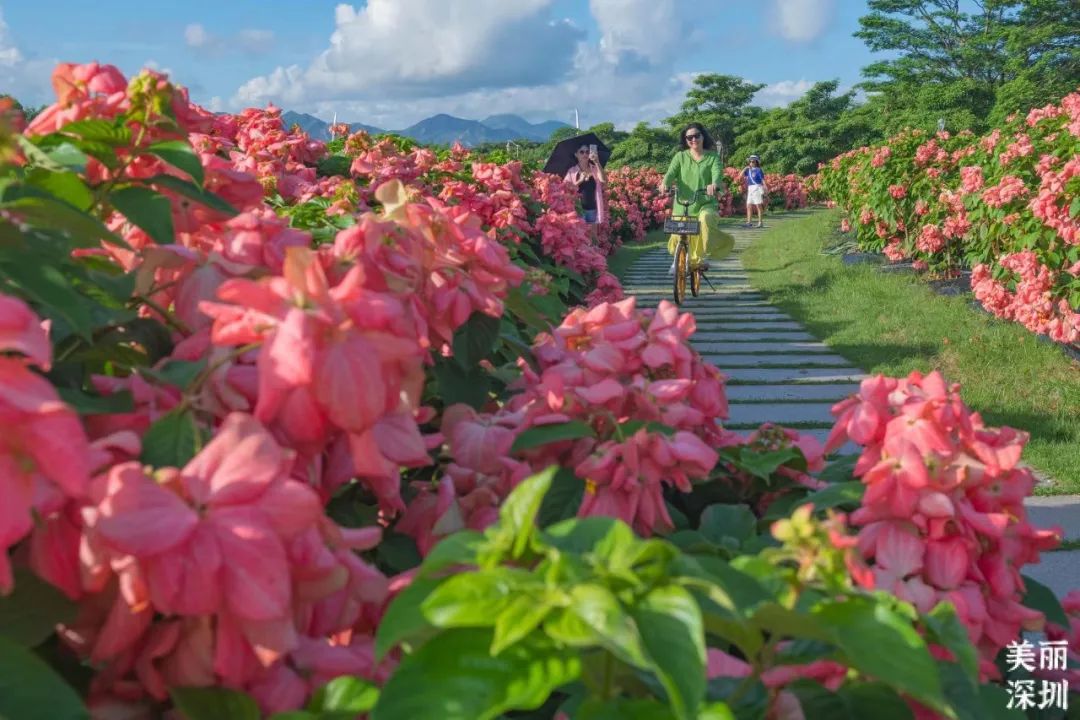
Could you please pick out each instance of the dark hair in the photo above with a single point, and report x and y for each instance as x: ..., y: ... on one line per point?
x: 707, y: 145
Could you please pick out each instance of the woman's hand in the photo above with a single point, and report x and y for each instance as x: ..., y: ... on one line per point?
x: 711, y: 190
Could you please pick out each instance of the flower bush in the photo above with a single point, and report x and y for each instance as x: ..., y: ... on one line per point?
x: 1006, y: 205
x: 296, y: 427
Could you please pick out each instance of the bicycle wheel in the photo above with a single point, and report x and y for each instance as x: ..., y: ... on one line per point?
x: 695, y: 281
x: 681, y: 260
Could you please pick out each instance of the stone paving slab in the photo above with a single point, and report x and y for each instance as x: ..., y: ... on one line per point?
x: 699, y: 338
x: 781, y: 348
x: 1059, y: 571
x: 757, y: 413
x: 1060, y: 510
x: 742, y: 318
x: 761, y: 327
x: 795, y: 375
x: 826, y: 391
x: 735, y: 360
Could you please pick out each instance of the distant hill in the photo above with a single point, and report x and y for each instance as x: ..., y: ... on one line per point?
x: 539, y: 132
x: 319, y: 129
x: 441, y: 129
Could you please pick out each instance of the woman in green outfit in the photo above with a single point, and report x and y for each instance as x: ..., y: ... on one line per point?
x: 697, y: 167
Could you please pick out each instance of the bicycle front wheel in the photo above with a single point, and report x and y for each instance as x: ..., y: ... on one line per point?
x: 682, y: 262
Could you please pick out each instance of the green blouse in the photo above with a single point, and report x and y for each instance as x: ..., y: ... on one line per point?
x: 688, y: 175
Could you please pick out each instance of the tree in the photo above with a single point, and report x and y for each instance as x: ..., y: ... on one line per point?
x: 645, y: 146
x: 1043, y: 53
x: 721, y: 103
x: 817, y: 127
x: 969, y: 63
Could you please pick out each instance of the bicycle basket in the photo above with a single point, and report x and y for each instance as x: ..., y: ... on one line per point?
x: 682, y: 226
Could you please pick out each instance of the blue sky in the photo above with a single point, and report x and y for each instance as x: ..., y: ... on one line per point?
x: 393, y: 62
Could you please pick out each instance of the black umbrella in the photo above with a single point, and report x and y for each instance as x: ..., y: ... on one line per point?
x: 564, y: 156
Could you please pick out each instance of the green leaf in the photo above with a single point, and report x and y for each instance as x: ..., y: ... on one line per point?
x: 31, y: 690
x: 843, y: 494
x: 623, y: 709
x: 66, y: 186
x: 459, y: 549
x: 733, y: 521
x: 615, y: 629
x: 178, y: 373
x: 149, y: 210
x: 456, y: 385
x: 523, y: 615
x: 518, y: 513
x: 544, y: 434
x: 563, y: 500
x: 112, y: 133
x: 764, y: 464
x: 403, y: 619
x: 48, y: 287
x: 947, y: 630
x: 875, y: 700
x: 48, y: 212
x: 454, y: 677
x: 85, y: 404
x: 181, y: 156
x: 880, y: 643
x: 398, y: 552
x: 1041, y: 598
x: 474, y: 599
x: 199, y: 703
x: 192, y: 191
x: 171, y: 441
x: 475, y: 340
x: 62, y: 158
x: 348, y: 696
x: 601, y: 536
x: 674, y: 636
x: 31, y: 613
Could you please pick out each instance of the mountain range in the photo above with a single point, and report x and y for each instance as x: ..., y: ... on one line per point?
x: 442, y: 129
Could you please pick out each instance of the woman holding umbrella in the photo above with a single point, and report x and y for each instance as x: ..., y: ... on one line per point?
x: 589, y: 178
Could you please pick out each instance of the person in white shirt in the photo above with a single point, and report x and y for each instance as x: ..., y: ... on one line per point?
x: 756, y: 189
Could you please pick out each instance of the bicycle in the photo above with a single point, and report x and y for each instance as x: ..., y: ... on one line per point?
x: 685, y: 226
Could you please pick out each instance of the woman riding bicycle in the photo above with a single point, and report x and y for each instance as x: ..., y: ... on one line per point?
x: 697, y: 166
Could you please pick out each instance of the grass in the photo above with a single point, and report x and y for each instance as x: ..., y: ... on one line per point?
x: 893, y: 324
x: 626, y: 255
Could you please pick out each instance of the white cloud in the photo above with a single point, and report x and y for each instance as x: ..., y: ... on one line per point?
x: 426, y: 48
x: 801, y: 20
x: 255, y: 41
x: 24, y: 78
x: 640, y: 34
x: 249, y: 40
x: 381, y: 67
x: 781, y: 93
x: 196, y: 36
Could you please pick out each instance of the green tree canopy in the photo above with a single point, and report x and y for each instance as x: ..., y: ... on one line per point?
x: 721, y: 103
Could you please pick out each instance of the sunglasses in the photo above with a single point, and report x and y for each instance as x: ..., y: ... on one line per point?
x: 693, y: 136
x: 582, y: 152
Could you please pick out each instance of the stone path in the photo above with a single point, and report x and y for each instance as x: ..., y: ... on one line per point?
x: 778, y: 372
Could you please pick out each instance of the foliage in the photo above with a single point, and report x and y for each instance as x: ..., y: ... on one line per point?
x: 302, y: 431
x: 1006, y: 205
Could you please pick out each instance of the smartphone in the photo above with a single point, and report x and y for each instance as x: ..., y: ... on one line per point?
x: 592, y: 149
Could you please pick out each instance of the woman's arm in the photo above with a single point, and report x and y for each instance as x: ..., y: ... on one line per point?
x: 671, y: 174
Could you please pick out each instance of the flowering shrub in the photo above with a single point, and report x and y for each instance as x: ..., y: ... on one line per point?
x: 280, y: 416
x: 1006, y: 205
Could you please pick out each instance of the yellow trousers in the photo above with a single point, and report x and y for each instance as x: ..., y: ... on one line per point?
x: 713, y: 243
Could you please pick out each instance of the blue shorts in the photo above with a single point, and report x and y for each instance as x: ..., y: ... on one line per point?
x: 591, y: 216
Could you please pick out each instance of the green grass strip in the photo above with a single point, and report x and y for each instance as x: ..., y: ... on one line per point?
x: 892, y: 323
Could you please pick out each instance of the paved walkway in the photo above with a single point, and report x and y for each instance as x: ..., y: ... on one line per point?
x: 780, y: 373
